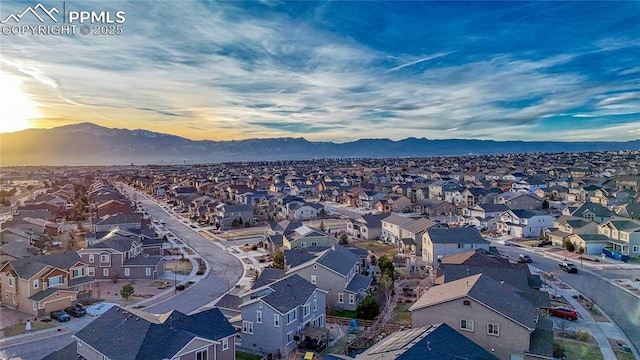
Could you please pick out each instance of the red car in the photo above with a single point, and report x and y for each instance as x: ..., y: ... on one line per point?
x: 564, y: 312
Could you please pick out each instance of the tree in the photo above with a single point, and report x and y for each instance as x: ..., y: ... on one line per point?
x: 545, y: 204
x: 344, y: 239
x: 322, y: 227
x: 322, y: 214
x: 127, y: 291
x: 368, y: 309
x: 569, y: 246
x: 386, y: 284
x: 278, y: 259
x: 386, y: 267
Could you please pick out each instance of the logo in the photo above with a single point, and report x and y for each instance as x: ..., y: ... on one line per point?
x: 33, y: 11
x: 40, y: 20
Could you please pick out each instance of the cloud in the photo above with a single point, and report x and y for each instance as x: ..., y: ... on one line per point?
x: 217, y: 69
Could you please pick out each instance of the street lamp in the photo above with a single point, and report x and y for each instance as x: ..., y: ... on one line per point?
x: 175, y: 279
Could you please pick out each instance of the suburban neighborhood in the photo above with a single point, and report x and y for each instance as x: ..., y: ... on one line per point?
x: 334, y: 260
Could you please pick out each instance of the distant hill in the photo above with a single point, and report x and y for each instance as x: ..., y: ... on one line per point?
x: 90, y: 144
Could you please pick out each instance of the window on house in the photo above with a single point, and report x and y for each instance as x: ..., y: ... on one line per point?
x: 466, y: 325
x: 91, y: 272
x: 259, y: 316
x: 289, y: 337
x: 466, y: 303
x: 493, y: 329
x: 36, y: 284
x: 105, y: 272
x: 315, y: 266
x: 303, y: 244
x: 55, y: 280
x: 91, y: 258
x: 147, y: 271
x: 260, y: 305
x: 352, y: 299
x: 276, y: 320
x: 291, y: 316
x: 315, y: 304
x: 104, y: 258
x: 78, y: 272
x: 10, y: 280
x: 314, y: 279
x: 127, y: 272
x: 306, y: 310
x: 202, y: 354
x: 225, y: 344
x: 247, y: 327
x: 340, y: 298
x: 35, y: 305
x: 460, y: 246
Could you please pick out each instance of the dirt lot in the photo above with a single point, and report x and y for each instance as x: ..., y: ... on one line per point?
x: 110, y: 291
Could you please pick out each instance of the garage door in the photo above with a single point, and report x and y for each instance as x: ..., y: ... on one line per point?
x: 58, y: 304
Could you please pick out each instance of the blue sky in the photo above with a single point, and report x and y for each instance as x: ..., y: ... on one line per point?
x: 338, y: 71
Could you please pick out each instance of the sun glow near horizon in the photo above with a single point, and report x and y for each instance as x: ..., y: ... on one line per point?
x: 18, y: 109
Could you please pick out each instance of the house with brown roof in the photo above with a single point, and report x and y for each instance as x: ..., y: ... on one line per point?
x: 41, y: 284
x: 493, y: 314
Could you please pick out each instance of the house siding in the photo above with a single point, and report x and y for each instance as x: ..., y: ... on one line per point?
x: 513, y: 338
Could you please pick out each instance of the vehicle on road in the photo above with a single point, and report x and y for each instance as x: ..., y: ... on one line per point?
x: 568, y: 267
x: 564, y: 312
x: 76, y: 310
x: 524, y: 259
x: 60, y: 316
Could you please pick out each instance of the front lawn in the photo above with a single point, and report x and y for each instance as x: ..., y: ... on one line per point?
x: 246, y: 356
x: 580, y: 350
x: 18, y: 329
x: 346, y: 314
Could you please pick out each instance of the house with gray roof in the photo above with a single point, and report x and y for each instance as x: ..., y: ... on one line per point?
x: 45, y: 283
x: 590, y: 211
x: 128, y: 334
x: 121, y: 257
x: 430, y: 342
x: 491, y: 313
x: 524, y: 223
x: 277, y: 316
x: 336, y: 270
x: 624, y: 236
x: 368, y: 227
x: 391, y: 227
x: 411, y: 235
x: 438, y: 243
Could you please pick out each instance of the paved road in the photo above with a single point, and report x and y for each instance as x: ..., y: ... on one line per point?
x: 36, y: 349
x: 622, y: 307
x: 225, y: 269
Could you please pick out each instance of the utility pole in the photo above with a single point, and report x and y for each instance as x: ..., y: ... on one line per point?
x: 175, y: 279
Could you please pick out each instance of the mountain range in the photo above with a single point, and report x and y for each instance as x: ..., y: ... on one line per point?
x: 90, y: 144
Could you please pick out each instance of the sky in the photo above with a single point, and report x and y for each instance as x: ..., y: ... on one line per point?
x: 331, y: 71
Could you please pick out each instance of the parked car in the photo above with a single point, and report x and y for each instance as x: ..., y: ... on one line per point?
x: 568, y: 267
x: 524, y: 259
x: 564, y: 312
x: 76, y: 310
x: 60, y: 316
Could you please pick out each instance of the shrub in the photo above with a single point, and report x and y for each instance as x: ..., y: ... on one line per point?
x: 254, y: 247
x: 180, y: 287
x: 200, y: 272
x: 583, y: 336
x: 558, y: 350
x: 46, y: 320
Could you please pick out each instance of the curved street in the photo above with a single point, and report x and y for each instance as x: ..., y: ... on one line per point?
x: 622, y: 307
x: 225, y: 270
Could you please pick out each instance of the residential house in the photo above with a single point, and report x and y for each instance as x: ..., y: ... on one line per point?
x: 519, y: 201
x: 303, y: 210
x: 393, y: 202
x: 16, y: 249
x: 411, y: 235
x: 590, y: 211
x: 368, y: 199
x: 491, y: 313
x: 225, y: 215
x: 434, y: 208
x: 123, y: 221
x: 524, y: 223
x: 366, y: 227
x: 624, y: 236
x: 41, y: 284
x: 568, y: 225
x: 304, y: 236
x: 391, y: 227
x: 275, y: 316
x: 432, y: 342
x: 480, y: 215
x: 438, y: 243
x: 337, y: 271
x: 129, y: 334
x: 438, y: 188
x: 122, y: 257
